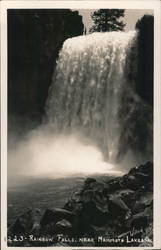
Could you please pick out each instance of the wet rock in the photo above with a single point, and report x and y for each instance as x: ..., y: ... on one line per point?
x: 76, y: 196
x: 128, y: 196
x: 125, y: 193
x: 98, y: 187
x: 101, y: 202
x: 109, y: 209
x: 141, y: 220
x: 27, y: 222
x: 63, y: 227
x: 55, y: 215
x: 138, y: 207
x: 89, y: 182
x: 144, y: 200
x: 114, y: 185
x: 139, y: 177
x: 144, y: 170
x: 130, y: 182
x: 17, y: 228
x: 148, y: 233
x: 117, y: 207
x: 87, y: 196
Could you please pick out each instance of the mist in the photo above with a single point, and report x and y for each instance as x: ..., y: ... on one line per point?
x: 45, y: 154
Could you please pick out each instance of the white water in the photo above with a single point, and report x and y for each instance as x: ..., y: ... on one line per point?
x: 92, y: 112
x: 88, y: 88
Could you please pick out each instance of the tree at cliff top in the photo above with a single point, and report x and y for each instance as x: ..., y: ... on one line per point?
x: 107, y: 20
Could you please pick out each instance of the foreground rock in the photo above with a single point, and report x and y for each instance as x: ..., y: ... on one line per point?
x: 118, y: 212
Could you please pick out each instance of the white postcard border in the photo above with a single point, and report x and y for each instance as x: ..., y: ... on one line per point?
x: 155, y: 5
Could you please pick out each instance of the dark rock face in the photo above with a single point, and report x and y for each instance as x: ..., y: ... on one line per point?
x: 145, y: 69
x: 34, y: 40
x: 114, y: 209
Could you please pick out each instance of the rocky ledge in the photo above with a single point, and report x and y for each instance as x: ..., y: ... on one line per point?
x: 116, y: 212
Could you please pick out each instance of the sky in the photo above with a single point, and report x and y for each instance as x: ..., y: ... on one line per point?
x: 130, y: 19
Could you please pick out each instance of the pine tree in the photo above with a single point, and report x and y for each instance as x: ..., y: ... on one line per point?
x: 107, y: 20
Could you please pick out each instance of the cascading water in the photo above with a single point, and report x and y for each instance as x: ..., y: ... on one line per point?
x: 93, y: 95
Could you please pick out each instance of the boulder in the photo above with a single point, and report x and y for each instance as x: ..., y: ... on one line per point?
x: 76, y: 195
x: 108, y: 209
x: 117, y: 207
x: 144, y: 200
x: 27, y: 222
x: 55, y: 215
x: 98, y: 186
x: 114, y: 185
x: 127, y: 196
x: 141, y: 220
x: 101, y: 202
x: 146, y: 170
x: 87, y: 195
x: 130, y: 182
x: 89, y: 182
x: 63, y: 227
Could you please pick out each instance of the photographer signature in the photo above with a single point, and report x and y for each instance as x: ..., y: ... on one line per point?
x: 132, y: 232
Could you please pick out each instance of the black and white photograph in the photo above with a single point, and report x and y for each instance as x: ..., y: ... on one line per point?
x: 80, y: 105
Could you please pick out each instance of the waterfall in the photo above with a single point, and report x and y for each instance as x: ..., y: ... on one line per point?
x: 93, y: 94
